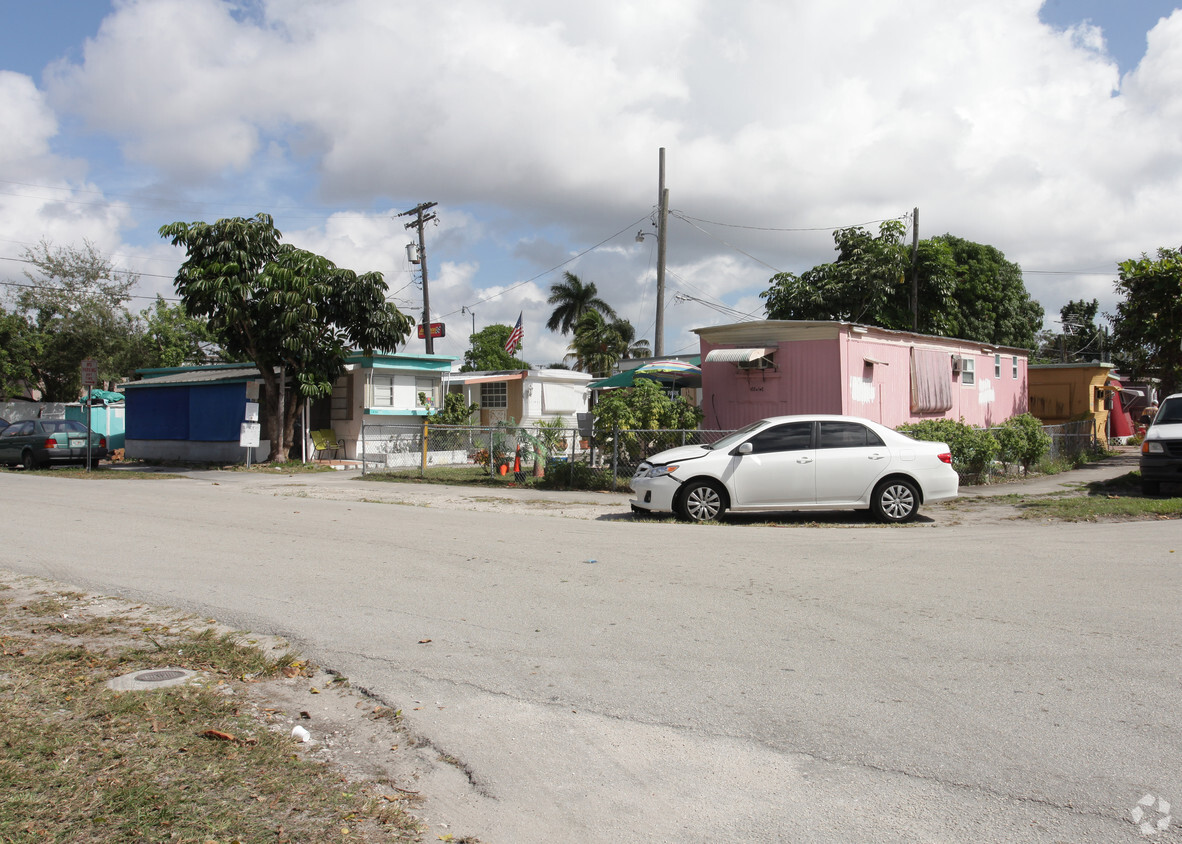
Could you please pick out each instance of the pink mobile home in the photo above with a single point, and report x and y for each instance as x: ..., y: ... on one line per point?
x: 752, y: 370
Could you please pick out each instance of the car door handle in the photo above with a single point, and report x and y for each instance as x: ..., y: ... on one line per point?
x: 804, y: 460
x: 877, y: 456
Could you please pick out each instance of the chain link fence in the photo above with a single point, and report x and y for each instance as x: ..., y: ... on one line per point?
x: 557, y: 458
x: 1072, y: 438
x: 565, y: 458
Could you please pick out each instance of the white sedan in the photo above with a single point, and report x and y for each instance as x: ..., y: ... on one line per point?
x: 799, y: 463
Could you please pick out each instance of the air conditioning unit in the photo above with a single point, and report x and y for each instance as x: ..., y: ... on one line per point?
x: 956, y: 363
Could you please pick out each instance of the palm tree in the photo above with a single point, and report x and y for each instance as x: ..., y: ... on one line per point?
x: 597, y: 345
x: 633, y: 348
x: 572, y: 299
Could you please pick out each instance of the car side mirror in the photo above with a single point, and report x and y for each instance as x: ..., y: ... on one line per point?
x: 745, y: 448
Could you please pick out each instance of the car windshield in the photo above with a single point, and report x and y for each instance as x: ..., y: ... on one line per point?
x: 731, y: 440
x: 1169, y: 413
x: 63, y: 426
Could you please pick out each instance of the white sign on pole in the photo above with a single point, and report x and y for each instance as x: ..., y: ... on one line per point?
x: 89, y: 371
x: 252, y: 411
x: 249, y: 436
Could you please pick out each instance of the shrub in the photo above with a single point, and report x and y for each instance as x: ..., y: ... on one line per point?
x: 563, y: 475
x: 645, y: 406
x: 1021, y: 440
x: 973, y: 449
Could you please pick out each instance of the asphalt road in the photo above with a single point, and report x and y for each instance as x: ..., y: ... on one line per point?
x: 605, y: 680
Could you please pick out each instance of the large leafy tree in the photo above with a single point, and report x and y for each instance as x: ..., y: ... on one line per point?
x: 289, y: 311
x: 966, y: 289
x: 1147, y: 325
x: 486, y: 351
x: 1080, y: 338
x: 20, y: 345
x: 173, y: 338
x: 572, y: 299
x: 76, y: 307
x: 991, y: 301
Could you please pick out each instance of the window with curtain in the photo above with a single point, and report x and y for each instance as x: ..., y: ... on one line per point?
x: 931, y: 381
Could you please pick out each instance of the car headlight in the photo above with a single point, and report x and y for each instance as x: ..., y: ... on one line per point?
x: 662, y: 471
x: 1152, y: 447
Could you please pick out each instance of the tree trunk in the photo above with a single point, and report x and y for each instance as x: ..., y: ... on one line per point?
x: 271, y: 408
x: 295, y: 403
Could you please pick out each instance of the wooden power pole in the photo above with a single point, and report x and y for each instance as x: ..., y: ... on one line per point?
x: 421, y: 218
x: 915, y: 270
x: 662, y: 219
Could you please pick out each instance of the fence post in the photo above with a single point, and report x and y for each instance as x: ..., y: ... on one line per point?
x: 615, y: 454
x: 363, y: 460
x: 423, y: 465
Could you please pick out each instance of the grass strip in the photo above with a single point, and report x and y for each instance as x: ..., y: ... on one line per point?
x: 192, y: 763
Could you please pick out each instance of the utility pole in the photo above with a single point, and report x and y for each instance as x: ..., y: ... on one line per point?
x: 420, y: 219
x: 915, y: 270
x: 662, y: 217
x: 464, y: 309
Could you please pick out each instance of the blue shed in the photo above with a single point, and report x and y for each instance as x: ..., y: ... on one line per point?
x: 189, y: 413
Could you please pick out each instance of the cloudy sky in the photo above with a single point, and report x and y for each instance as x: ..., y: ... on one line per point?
x: 1051, y: 130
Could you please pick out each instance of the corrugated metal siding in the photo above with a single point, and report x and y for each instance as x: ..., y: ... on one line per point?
x: 806, y: 380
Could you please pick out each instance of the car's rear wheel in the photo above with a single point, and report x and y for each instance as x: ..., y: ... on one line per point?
x: 702, y: 501
x: 1150, y: 487
x: 895, y: 500
x: 28, y: 461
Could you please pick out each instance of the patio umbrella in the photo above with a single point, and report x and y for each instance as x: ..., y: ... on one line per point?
x: 671, y: 371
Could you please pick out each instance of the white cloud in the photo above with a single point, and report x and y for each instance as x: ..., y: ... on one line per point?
x: 536, y: 124
x: 41, y: 194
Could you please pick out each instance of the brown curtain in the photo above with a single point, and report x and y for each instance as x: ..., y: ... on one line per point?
x: 931, y: 381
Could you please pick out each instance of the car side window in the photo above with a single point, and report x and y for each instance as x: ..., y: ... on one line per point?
x: 793, y: 436
x: 19, y: 429
x: 846, y: 435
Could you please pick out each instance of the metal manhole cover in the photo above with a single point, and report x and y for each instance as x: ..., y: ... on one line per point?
x: 158, y: 676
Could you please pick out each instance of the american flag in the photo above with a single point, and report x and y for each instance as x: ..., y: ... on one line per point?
x: 515, y: 336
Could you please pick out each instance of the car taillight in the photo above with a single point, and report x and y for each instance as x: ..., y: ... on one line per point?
x: 50, y: 443
x: 102, y: 442
x: 946, y: 457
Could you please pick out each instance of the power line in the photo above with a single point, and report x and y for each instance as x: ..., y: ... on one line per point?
x: 51, y: 287
x: 724, y: 243
x: 552, y: 269
x: 687, y: 218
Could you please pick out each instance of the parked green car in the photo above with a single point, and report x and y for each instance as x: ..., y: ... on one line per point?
x: 36, y: 443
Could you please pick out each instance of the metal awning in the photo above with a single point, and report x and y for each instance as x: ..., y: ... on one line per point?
x: 737, y: 355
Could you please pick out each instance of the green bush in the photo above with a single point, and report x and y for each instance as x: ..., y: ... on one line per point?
x: 645, y: 406
x: 1021, y: 440
x: 973, y: 449
x: 564, y: 475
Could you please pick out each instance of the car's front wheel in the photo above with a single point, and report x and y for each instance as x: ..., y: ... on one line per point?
x: 702, y: 501
x: 1150, y: 487
x: 895, y: 500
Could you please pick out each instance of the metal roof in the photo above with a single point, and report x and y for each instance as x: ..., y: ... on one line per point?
x: 226, y: 375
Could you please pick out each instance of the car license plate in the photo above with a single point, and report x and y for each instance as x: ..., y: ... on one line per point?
x: 77, y: 443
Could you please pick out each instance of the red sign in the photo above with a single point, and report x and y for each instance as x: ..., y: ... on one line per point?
x: 436, y: 330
